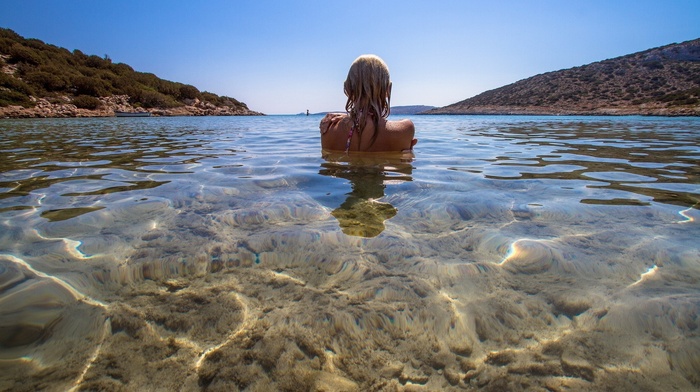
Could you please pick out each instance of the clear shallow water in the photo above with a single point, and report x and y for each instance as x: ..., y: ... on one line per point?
x: 230, y: 253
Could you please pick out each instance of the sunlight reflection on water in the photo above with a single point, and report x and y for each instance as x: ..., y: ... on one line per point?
x: 232, y: 253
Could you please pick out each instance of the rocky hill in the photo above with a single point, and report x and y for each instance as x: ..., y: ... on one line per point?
x: 659, y: 81
x: 43, y: 80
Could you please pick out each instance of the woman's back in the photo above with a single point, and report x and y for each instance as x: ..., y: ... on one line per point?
x: 337, y: 130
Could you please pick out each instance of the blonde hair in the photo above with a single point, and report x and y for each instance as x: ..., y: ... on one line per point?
x: 368, y: 89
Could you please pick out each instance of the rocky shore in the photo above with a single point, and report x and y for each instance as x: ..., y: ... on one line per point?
x: 62, y: 107
x: 649, y: 109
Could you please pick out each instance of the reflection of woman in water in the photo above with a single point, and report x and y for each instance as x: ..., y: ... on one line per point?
x: 365, y: 127
x: 361, y: 214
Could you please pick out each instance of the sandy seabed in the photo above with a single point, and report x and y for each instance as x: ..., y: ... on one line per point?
x: 224, y: 255
x: 265, y: 292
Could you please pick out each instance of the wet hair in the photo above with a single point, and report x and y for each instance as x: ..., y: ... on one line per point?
x: 368, y: 89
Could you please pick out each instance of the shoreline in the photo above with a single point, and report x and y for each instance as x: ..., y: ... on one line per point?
x: 563, y: 114
x: 588, y: 110
x: 650, y: 110
x: 117, y: 103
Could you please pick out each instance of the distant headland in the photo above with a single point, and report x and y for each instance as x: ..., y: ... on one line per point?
x: 410, y: 109
x: 663, y: 81
x: 43, y: 80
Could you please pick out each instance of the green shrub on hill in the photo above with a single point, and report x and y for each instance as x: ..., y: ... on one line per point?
x: 15, y: 84
x: 89, y: 85
x: 46, y: 80
x: 9, y: 97
x: 47, y: 71
x: 188, y: 92
x: 86, y: 102
x: 22, y: 54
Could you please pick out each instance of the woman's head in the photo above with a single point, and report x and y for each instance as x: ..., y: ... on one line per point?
x: 368, y: 87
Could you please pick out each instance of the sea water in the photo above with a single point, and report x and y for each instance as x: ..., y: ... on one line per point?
x: 231, y: 253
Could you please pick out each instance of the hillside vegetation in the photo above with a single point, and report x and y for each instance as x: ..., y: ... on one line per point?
x: 39, y: 79
x: 660, y: 81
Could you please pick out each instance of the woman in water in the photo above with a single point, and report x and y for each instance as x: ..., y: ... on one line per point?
x: 365, y: 127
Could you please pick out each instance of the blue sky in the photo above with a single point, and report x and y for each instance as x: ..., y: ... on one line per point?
x: 288, y: 56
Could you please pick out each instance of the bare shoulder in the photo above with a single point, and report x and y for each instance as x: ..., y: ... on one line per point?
x: 404, y: 126
x: 401, y: 132
x: 330, y: 120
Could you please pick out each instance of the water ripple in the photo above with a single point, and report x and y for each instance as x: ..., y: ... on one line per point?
x: 232, y: 253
